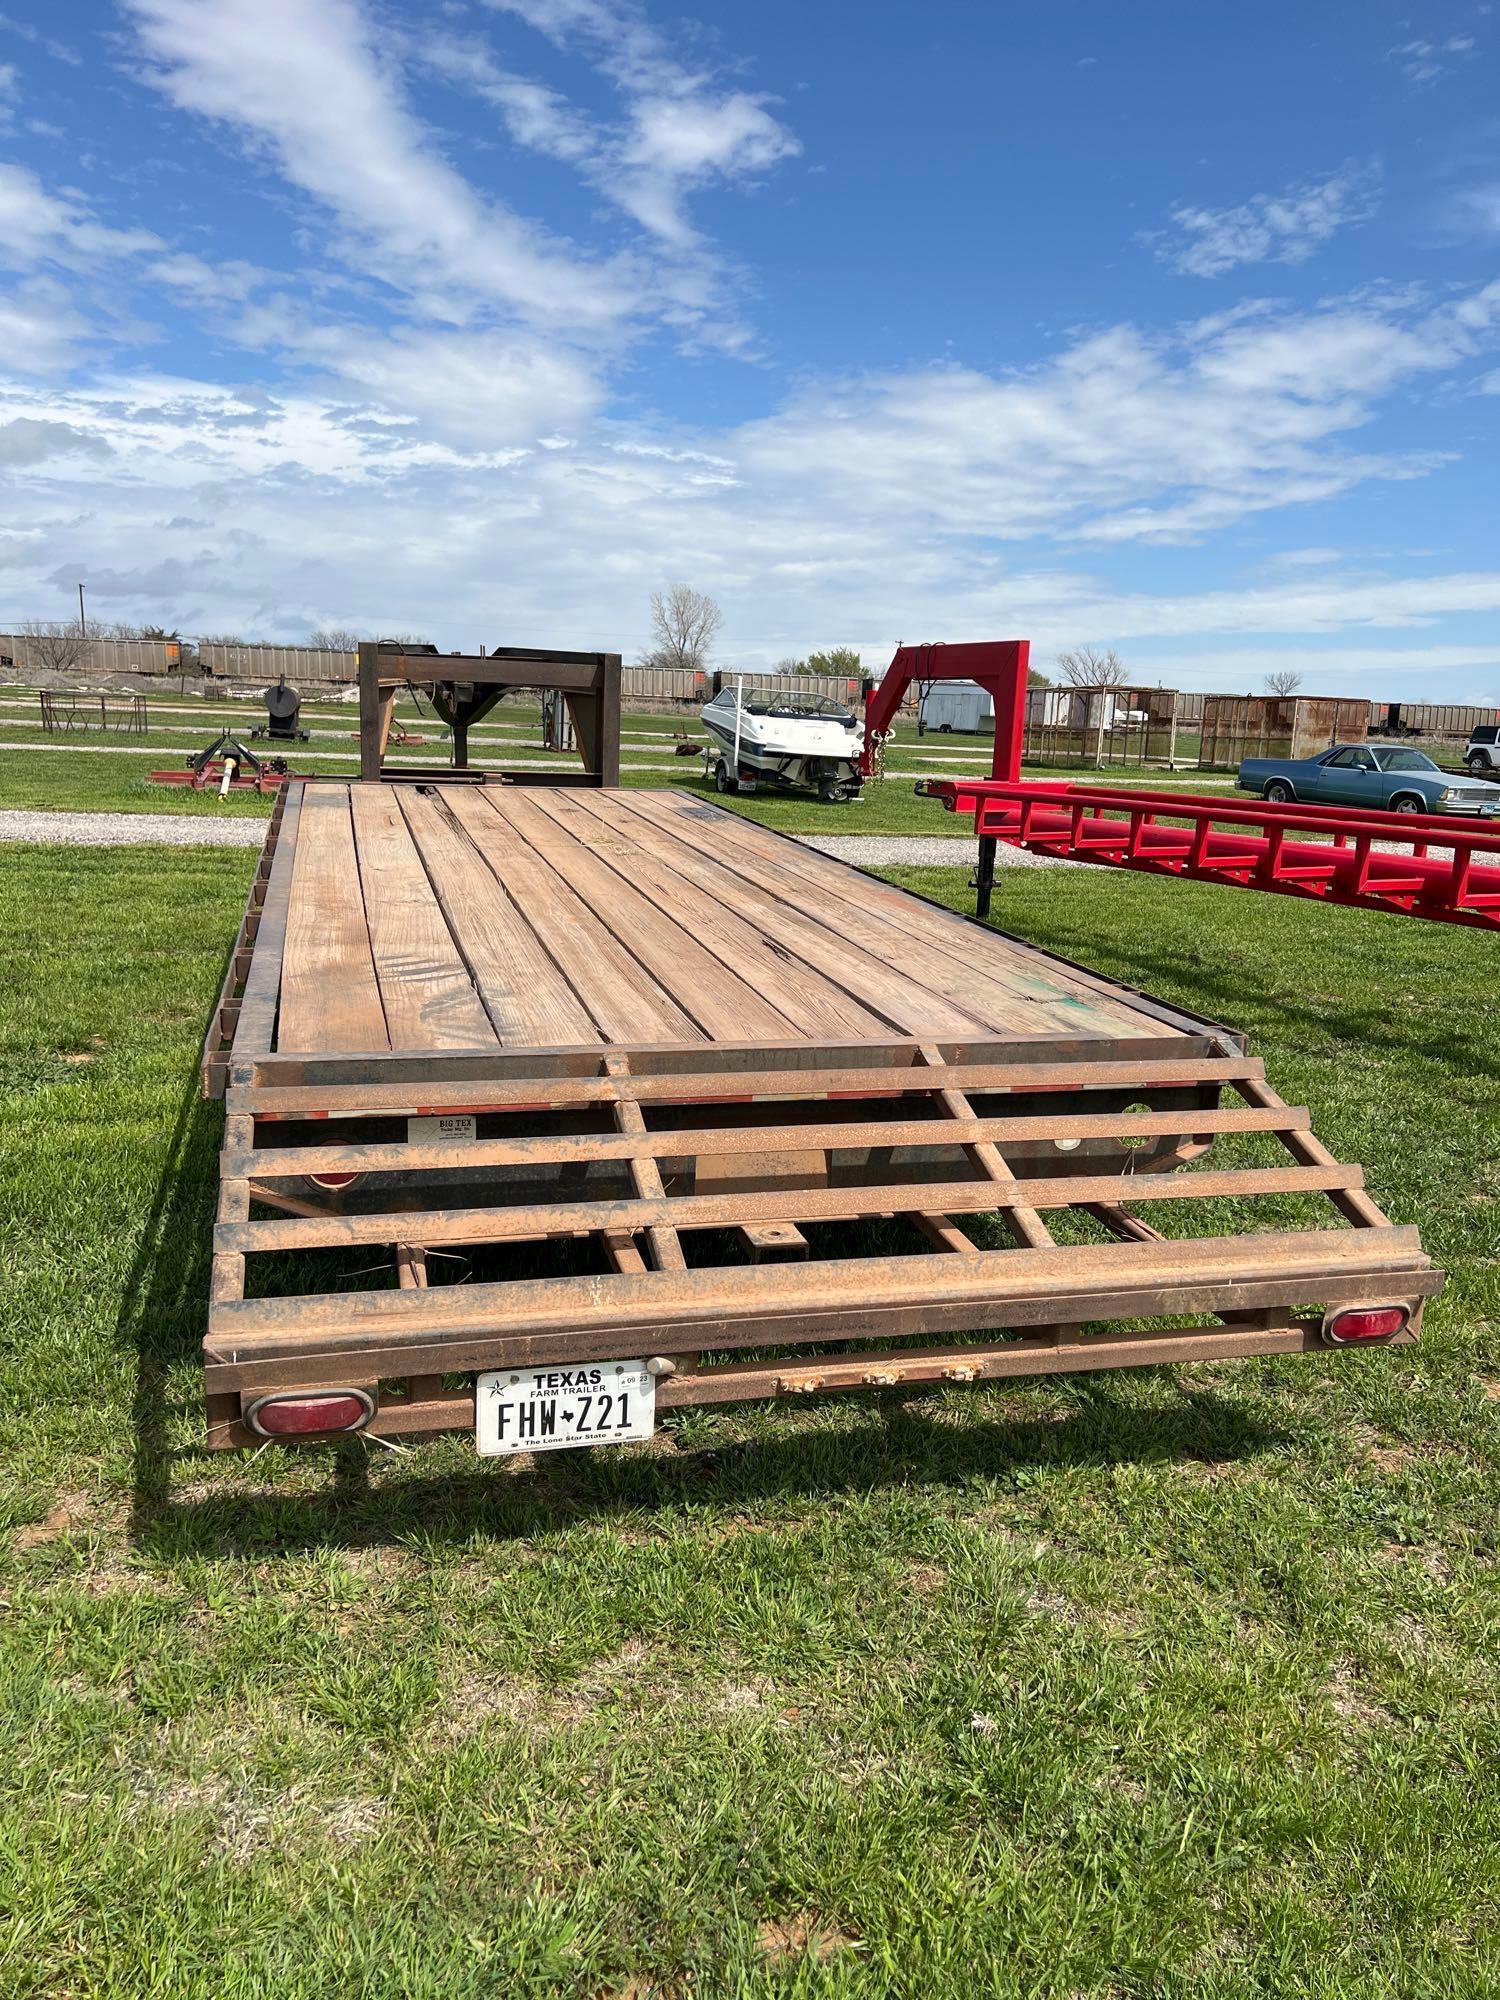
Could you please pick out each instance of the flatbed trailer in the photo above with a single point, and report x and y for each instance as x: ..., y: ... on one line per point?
x: 524, y: 1086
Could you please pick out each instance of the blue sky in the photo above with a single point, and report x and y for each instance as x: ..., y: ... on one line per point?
x: 1174, y: 329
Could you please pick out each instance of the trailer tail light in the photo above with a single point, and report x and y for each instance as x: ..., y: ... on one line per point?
x: 322, y: 1413
x: 1357, y: 1324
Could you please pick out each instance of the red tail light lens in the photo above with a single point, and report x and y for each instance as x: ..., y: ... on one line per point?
x: 1362, y: 1323
x: 333, y: 1182
x: 324, y: 1413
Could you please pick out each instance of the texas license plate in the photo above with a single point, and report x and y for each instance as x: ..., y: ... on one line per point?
x: 558, y: 1409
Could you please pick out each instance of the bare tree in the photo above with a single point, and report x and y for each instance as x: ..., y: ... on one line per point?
x: 1086, y: 668
x: 1285, y: 680
x: 684, y: 625
x: 55, y: 643
x: 335, y: 638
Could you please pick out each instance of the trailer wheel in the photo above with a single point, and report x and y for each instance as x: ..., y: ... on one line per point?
x: 1278, y: 794
x: 722, y: 780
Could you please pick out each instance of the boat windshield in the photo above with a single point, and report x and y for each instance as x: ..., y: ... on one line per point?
x: 804, y: 707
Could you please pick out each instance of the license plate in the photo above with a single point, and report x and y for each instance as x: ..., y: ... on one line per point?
x: 559, y: 1409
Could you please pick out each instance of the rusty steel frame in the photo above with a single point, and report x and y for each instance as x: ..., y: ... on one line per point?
x: 708, y: 1186
x: 463, y: 688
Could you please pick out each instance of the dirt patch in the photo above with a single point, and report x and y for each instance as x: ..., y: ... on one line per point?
x: 926, y: 1579
x: 1433, y: 1561
x: 248, y: 1820
x: 1052, y: 1604
x: 802, y: 1936
x: 67, y: 1512
x: 1392, y: 1458
x: 1349, y: 1700
x: 634, y: 1678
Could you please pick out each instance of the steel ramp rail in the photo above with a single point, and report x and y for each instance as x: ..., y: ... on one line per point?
x: 1444, y: 867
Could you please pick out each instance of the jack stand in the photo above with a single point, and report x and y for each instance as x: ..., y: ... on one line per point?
x: 983, y: 879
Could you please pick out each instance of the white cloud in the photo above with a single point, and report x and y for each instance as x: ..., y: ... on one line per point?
x: 1424, y: 61
x: 28, y: 441
x: 306, y: 83
x: 1282, y: 228
x: 682, y: 129
x: 1479, y: 208
x: 476, y: 392
x: 40, y: 329
x: 399, y: 477
x: 59, y: 51
x: 38, y: 226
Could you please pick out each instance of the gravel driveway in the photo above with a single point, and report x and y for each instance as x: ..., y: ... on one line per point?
x: 115, y: 829
x: 105, y: 829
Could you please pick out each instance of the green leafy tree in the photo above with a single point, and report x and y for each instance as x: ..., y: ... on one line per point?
x: 840, y: 662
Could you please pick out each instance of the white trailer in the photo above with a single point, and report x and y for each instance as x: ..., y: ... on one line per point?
x: 962, y: 707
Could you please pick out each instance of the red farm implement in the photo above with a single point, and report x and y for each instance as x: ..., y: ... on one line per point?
x: 1415, y: 864
x: 1443, y: 867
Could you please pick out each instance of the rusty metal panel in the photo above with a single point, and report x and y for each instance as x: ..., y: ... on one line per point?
x: 300, y: 664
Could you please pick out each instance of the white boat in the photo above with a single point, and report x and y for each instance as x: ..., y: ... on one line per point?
x: 761, y: 735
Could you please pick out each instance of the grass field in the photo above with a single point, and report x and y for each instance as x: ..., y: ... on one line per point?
x: 97, y: 779
x: 1172, y: 1684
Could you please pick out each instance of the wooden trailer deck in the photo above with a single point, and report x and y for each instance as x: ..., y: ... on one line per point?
x: 633, y: 1069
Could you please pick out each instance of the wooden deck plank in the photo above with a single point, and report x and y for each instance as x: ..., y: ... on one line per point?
x: 430, y: 1001
x: 256, y: 1022
x: 524, y: 992
x: 889, y: 968
x: 1013, y: 962
x: 724, y: 1005
x: 822, y: 963
x: 885, y: 985
x: 994, y: 988
x: 330, y: 997
x: 623, y: 997
x: 800, y: 994
x: 972, y: 967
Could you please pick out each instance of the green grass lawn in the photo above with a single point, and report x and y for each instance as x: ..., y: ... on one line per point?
x: 1179, y: 1683
x: 98, y: 780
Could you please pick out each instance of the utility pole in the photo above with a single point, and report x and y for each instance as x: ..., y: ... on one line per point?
x: 83, y: 630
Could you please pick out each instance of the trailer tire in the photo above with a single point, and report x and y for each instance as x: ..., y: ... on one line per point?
x: 722, y: 780
x: 830, y: 791
x: 1278, y: 793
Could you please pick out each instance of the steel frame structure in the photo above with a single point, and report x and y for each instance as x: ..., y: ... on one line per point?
x: 1442, y: 867
x: 999, y: 666
x: 463, y: 688
x: 688, y: 1199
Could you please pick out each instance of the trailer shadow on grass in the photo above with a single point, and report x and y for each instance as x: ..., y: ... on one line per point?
x: 351, y: 1496
x: 1344, y: 978
x: 900, y: 1442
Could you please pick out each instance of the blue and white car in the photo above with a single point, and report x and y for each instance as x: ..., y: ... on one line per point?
x: 1384, y: 777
